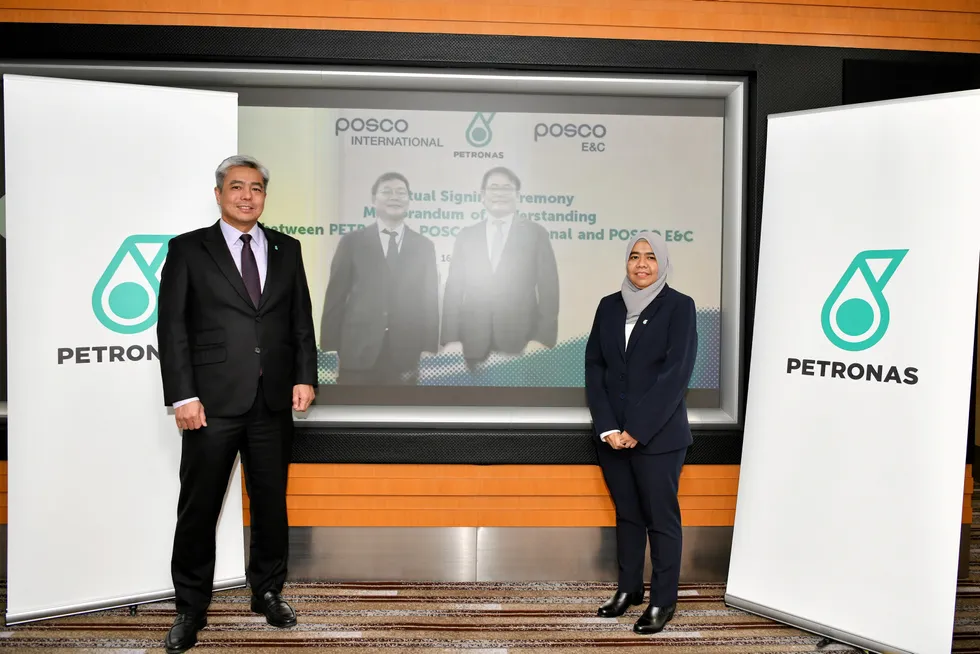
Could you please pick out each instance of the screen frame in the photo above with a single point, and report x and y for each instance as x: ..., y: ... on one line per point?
x: 733, y: 89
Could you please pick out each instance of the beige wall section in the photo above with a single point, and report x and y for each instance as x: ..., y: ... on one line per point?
x: 937, y: 25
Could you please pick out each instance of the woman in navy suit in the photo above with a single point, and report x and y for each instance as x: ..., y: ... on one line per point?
x: 638, y: 364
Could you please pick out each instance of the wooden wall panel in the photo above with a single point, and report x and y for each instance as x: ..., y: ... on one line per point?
x: 350, y: 495
x: 331, y: 495
x: 939, y: 25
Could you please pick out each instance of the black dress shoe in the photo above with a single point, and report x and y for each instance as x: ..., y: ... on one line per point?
x: 183, y: 635
x: 654, y: 619
x: 275, y: 609
x: 619, y: 603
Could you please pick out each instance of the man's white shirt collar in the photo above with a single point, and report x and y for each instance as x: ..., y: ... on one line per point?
x: 399, y: 229
x: 233, y: 234
x: 507, y: 220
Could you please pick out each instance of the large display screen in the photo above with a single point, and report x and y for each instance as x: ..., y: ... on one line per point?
x: 509, y: 228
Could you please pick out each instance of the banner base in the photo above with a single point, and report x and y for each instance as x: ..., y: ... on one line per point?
x: 812, y: 627
x: 113, y: 603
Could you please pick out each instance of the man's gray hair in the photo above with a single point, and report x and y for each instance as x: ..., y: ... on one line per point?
x: 240, y: 160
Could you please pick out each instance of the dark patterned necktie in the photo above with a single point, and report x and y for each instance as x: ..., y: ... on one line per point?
x: 392, y: 252
x: 250, y: 270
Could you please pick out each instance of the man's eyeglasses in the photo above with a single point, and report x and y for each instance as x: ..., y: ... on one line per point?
x: 388, y: 193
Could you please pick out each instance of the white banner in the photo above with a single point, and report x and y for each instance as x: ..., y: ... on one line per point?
x: 99, y: 177
x: 851, y: 485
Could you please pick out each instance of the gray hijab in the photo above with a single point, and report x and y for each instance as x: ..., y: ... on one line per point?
x: 637, y: 299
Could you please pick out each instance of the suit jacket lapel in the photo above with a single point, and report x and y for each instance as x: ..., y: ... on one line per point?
x: 371, y: 239
x: 618, y: 322
x: 216, y: 246
x: 371, y: 252
x: 484, y: 246
x: 641, y: 321
x: 408, y: 250
x: 513, y: 241
x: 273, y: 266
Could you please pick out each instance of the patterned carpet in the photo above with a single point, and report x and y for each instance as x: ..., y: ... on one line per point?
x: 471, y: 618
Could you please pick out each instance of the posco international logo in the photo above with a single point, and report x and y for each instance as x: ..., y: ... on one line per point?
x: 851, y: 322
x: 372, y: 125
x: 381, y: 131
x: 125, y: 297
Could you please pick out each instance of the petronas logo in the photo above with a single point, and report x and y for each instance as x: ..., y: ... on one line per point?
x: 479, y: 134
x: 856, y: 314
x: 125, y: 297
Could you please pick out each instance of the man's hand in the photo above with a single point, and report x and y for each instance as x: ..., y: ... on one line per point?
x: 451, y: 348
x: 627, y: 441
x: 190, y: 416
x: 302, y: 397
x: 612, y: 440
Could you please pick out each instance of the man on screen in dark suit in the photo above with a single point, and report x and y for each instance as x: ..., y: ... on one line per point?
x: 381, y: 309
x: 237, y: 354
x: 502, y: 289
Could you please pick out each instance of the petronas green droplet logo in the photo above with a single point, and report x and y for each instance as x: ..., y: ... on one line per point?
x: 479, y: 134
x: 856, y: 314
x: 125, y: 297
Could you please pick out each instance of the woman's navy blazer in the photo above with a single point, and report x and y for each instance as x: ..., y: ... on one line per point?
x: 639, y: 387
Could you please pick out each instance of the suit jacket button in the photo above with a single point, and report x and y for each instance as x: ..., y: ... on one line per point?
x: 258, y: 318
x: 622, y: 377
x: 622, y: 396
x: 258, y: 350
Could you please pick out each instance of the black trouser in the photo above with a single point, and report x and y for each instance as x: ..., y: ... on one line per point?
x: 207, y: 456
x: 382, y: 373
x: 644, y: 490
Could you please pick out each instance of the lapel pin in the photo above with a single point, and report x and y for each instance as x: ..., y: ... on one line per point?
x: 276, y: 247
x: 644, y: 322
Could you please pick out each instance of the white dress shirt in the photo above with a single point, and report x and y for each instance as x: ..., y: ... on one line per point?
x: 506, y: 222
x: 259, y: 245
x: 629, y: 330
x: 260, y: 248
x: 399, y: 230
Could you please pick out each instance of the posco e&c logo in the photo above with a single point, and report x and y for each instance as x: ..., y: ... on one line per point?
x: 125, y: 297
x: 590, y: 135
x: 569, y: 130
x: 850, y: 321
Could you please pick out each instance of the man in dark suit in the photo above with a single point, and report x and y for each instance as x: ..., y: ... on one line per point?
x: 381, y: 309
x: 502, y: 289
x: 236, y: 340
